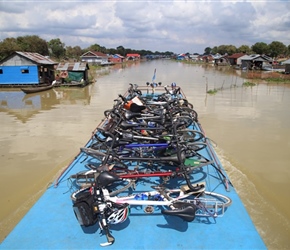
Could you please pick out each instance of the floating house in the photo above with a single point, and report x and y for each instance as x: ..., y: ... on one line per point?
x: 133, y: 57
x: 94, y: 57
x: 181, y: 57
x: 255, y: 61
x: 287, y: 66
x: 116, y: 58
x: 77, y: 71
x: 26, y: 68
x: 221, y: 60
x: 235, y: 59
x: 206, y: 58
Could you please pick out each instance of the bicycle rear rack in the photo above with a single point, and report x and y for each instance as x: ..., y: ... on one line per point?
x: 208, y: 207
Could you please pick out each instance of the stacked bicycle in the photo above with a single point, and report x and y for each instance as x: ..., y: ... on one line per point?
x: 145, y: 137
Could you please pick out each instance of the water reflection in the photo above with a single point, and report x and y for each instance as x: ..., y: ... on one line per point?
x: 25, y: 106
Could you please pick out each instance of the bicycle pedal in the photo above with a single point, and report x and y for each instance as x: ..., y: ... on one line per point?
x: 185, y: 188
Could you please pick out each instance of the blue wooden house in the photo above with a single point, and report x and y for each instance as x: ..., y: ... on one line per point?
x: 26, y: 68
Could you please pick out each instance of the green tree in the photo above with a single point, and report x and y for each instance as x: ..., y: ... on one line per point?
x: 244, y: 49
x: 57, y: 48
x: 33, y: 44
x: 277, y: 49
x: 73, y: 52
x: 121, y: 50
x: 260, y: 48
x: 112, y: 51
x: 207, y: 50
x: 226, y: 49
x: 95, y: 47
x: 214, y: 50
x: 8, y: 46
x: 231, y: 49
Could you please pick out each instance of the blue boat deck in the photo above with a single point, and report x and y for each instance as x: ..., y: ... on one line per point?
x: 51, y: 222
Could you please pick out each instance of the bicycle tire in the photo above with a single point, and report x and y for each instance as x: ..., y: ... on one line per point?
x: 191, y: 112
x: 108, y: 112
x: 196, y: 146
x: 190, y: 135
x: 187, y: 120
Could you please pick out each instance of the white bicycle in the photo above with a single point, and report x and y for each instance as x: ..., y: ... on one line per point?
x: 94, y: 204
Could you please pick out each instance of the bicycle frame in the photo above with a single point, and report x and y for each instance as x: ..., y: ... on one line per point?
x: 142, y: 198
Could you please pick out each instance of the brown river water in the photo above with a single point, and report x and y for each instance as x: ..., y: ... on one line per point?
x: 41, y: 133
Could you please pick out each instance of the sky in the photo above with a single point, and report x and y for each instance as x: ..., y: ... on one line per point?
x: 178, y: 26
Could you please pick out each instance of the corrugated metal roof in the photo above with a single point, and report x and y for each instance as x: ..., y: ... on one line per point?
x: 35, y: 57
x: 78, y: 66
x: 256, y: 57
x: 94, y: 53
x: 286, y: 62
x: 236, y: 55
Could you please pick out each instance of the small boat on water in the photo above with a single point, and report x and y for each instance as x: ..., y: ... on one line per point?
x: 36, y: 89
x: 71, y: 215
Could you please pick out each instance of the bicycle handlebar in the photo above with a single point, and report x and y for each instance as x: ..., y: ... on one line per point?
x: 123, y: 98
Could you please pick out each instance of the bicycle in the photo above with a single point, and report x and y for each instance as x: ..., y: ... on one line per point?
x: 86, y: 178
x: 192, y: 139
x: 180, y: 155
x: 95, y: 204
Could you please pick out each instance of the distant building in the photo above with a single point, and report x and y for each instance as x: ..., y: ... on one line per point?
x: 255, y: 61
x: 234, y: 59
x: 133, y: 57
x: 206, y: 58
x: 94, y: 57
x: 181, y: 57
x: 116, y: 58
x: 287, y: 66
x: 26, y: 68
x: 74, y: 71
x: 220, y: 60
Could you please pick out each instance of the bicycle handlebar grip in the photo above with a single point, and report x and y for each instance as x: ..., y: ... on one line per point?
x: 123, y: 98
x: 197, y: 188
x: 177, y: 124
x: 106, y: 133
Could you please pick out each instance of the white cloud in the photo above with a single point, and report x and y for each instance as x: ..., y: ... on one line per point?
x: 178, y: 26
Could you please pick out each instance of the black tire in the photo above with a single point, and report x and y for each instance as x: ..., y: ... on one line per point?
x: 190, y: 135
x: 196, y: 146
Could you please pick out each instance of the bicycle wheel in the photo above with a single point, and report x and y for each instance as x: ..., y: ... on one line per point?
x: 195, y: 146
x: 186, y: 120
x: 190, y: 135
x: 183, y: 103
x: 190, y: 112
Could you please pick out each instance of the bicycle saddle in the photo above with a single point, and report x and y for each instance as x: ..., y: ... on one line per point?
x: 131, y: 115
x: 106, y: 178
x: 184, y: 210
x: 126, y: 125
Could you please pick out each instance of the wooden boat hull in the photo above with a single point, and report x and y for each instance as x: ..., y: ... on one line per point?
x: 36, y: 89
